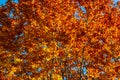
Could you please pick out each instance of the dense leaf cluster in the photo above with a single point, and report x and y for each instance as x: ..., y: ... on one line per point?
x: 60, y: 40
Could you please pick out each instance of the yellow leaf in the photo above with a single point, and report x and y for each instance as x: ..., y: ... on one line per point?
x: 46, y: 28
x: 33, y: 79
x: 34, y: 23
x: 34, y: 66
x: 49, y: 58
x: 18, y: 60
x: 69, y: 55
x: 13, y: 69
x: 56, y: 77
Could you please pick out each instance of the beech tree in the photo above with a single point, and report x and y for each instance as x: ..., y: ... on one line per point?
x: 60, y: 40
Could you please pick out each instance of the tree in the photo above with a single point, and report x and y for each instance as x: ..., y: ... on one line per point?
x: 58, y: 39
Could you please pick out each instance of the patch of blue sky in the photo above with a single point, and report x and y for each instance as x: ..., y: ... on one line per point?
x: 25, y: 23
x: 24, y: 52
x: 76, y: 15
x: 7, y: 50
x: 1, y: 25
x: 29, y: 73
x: 112, y: 60
x: 11, y: 14
x: 22, y: 34
x: 15, y: 1
x: 16, y: 36
x: 65, y: 78
x: 115, y: 2
x: 75, y: 68
x: 83, y: 9
x: 38, y: 70
x: 84, y: 70
x: 3, y: 2
x: 59, y: 44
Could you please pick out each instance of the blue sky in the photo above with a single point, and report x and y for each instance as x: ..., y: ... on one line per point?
x: 116, y: 0
x: 2, y: 2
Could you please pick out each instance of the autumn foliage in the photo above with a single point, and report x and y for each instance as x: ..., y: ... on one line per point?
x: 60, y: 40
